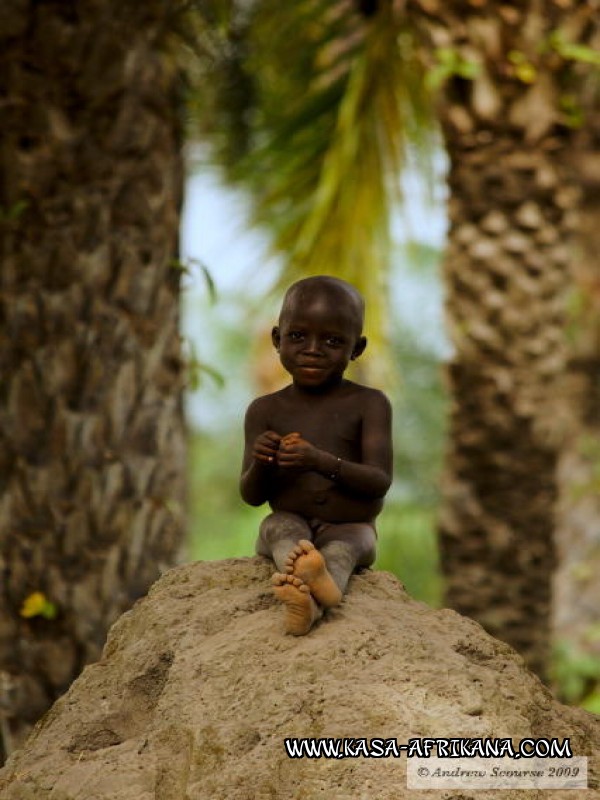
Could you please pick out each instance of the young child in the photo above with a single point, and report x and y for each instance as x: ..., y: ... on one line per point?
x: 319, y: 451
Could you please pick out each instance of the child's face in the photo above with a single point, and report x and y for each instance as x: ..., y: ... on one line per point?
x: 316, y: 339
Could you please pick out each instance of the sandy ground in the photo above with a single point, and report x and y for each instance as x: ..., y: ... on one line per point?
x: 199, y: 686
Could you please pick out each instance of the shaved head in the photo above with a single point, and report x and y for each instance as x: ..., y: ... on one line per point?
x: 345, y: 296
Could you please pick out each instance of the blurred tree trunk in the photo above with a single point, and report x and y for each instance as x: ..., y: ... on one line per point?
x: 91, y: 428
x: 577, y: 587
x: 507, y: 274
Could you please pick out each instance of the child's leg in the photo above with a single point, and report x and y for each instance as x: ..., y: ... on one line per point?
x: 346, y: 547
x: 326, y: 570
x: 279, y: 533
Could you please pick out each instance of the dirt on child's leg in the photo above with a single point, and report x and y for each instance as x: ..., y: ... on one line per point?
x: 346, y: 547
x: 301, y: 610
x: 278, y: 535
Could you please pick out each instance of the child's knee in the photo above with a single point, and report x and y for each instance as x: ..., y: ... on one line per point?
x: 358, y: 539
x: 367, y: 546
x: 367, y: 556
x: 282, y: 525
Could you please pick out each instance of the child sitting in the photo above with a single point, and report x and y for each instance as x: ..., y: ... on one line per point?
x: 319, y: 451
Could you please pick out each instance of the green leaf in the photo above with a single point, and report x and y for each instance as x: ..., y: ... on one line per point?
x: 13, y: 212
x: 185, y: 267
x: 212, y: 372
x: 336, y: 98
x: 208, y: 279
x: 37, y: 604
x: 197, y: 368
x: 573, y: 51
x: 592, y: 702
x: 175, y: 263
x: 450, y: 64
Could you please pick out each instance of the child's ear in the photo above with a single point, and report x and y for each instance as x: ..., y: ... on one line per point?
x: 276, y: 337
x: 359, y: 348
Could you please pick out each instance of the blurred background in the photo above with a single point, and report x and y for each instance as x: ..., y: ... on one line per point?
x: 333, y: 141
x: 227, y: 319
x: 442, y: 157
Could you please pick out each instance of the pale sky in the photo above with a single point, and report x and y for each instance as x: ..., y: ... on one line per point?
x: 215, y: 232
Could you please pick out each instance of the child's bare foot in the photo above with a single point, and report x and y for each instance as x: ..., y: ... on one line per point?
x: 307, y: 563
x: 301, y: 610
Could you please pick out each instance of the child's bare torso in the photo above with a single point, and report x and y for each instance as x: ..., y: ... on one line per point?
x: 331, y: 422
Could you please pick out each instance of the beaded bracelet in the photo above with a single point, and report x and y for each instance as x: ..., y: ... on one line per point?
x: 333, y: 476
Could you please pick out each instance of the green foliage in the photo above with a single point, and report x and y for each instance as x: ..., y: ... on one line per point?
x: 310, y: 105
x: 449, y: 63
x: 523, y: 69
x: 13, y: 213
x: 197, y: 368
x: 572, y: 114
x: 420, y: 402
x: 37, y: 605
x: 191, y: 265
x: 221, y: 525
x: 407, y: 546
x: 576, y: 675
x: 572, y: 51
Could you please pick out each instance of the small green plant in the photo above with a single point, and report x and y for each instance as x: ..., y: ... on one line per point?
x: 188, y: 266
x: 37, y: 605
x: 449, y: 64
x: 522, y: 68
x: 576, y: 676
x: 572, y: 51
x: 197, y: 368
x: 13, y: 212
x: 572, y: 114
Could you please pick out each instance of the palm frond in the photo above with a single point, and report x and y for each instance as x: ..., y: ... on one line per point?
x: 336, y: 98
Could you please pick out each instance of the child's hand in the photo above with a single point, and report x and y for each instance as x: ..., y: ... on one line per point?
x: 294, y: 451
x: 266, y: 446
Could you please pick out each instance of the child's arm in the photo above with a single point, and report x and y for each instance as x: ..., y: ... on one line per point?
x: 260, y: 453
x: 371, y: 477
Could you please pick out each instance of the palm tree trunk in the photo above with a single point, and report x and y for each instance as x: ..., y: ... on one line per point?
x: 506, y: 274
x: 505, y: 295
x: 577, y: 588
x: 91, y: 427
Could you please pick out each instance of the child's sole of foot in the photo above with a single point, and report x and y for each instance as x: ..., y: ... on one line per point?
x: 301, y: 610
x: 307, y: 563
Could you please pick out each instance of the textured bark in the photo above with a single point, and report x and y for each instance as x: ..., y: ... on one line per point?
x: 91, y: 428
x: 577, y: 588
x: 507, y: 274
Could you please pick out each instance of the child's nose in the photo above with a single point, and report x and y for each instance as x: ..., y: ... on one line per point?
x: 312, y: 345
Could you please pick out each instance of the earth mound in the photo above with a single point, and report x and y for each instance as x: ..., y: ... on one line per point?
x: 198, y: 687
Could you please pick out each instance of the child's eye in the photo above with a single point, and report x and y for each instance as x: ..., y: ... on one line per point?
x: 295, y: 336
x: 334, y: 341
